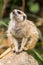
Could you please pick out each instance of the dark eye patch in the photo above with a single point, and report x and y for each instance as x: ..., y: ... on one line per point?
x: 24, y: 17
x: 18, y: 12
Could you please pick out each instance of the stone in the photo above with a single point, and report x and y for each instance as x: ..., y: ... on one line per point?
x: 18, y: 59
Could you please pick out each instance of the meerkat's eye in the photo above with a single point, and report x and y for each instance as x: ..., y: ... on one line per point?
x: 18, y: 12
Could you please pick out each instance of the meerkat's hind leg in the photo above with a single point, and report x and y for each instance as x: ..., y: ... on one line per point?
x: 31, y: 44
x: 10, y: 41
x: 13, y: 43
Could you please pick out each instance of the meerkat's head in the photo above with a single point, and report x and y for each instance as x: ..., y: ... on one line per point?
x: 18, y: 15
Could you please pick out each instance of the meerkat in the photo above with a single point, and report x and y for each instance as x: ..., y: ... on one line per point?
x: 22, y: 33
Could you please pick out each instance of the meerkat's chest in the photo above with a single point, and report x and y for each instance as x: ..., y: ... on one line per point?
x: 19, y: 30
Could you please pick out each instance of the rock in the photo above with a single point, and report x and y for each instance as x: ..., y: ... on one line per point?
x: 18, y: 59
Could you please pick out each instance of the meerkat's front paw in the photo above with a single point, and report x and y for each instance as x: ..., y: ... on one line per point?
x: 25, y: 48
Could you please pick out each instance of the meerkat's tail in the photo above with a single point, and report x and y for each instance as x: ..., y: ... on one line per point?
x: 5, y: 53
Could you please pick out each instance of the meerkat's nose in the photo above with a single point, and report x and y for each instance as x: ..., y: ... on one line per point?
x: 13, y: 12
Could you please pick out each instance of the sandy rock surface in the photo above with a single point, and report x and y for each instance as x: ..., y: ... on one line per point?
x: 18, y: 59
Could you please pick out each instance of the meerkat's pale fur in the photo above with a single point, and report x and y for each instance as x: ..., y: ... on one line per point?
x: 21, y: 32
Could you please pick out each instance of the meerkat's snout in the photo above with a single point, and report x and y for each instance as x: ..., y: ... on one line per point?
x: 18, y: 15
